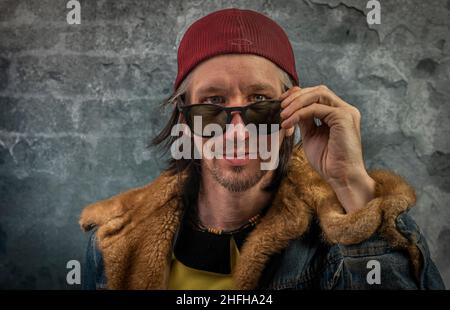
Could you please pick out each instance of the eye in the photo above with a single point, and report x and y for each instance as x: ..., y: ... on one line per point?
x: 213, y: 100
x: 259, y: 97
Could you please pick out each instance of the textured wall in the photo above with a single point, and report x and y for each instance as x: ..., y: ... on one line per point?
x: 78, y: 104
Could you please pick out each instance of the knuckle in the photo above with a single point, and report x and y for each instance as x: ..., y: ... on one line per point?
x: 356, y: 112
x: 323, y: 88
x: 346, y: 114
x: 295, y: 89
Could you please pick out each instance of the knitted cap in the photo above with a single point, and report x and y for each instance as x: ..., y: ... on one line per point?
x: 234, y: 31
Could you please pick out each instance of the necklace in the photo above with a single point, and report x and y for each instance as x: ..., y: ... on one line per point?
x: 250, y: 222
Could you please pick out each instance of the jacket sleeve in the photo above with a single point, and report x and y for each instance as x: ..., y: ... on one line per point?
x: 374, y: 264
x: 93, y: 275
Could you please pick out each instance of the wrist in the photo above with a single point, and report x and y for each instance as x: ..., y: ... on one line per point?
x: 354, y: 192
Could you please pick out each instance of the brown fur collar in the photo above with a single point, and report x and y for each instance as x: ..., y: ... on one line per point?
x: 136, y: 228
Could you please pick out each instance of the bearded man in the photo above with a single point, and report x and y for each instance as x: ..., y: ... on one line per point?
x: 318, y: 220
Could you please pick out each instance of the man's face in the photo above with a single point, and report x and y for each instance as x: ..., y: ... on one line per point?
x: 235, y: 80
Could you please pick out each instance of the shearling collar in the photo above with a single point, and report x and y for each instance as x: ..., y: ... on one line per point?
x: 136, y: 228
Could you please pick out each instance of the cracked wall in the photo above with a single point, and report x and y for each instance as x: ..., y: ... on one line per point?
x: 78, y: 104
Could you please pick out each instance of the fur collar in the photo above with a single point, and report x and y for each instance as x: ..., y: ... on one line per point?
x: 136, y: 228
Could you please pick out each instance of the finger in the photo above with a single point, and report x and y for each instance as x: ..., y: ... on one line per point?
x: 305, y: 125
x: 323, y: 95
x: 320, y: 111
x: 295, y: 89
x: 289, y: 92
x: 298, y: 101
x: 357, y: 121
x: 320, y: 94
x: 294, y: 105
x: 288, y: 100
x: 290, y: 131
x: 314, y: 96
x: 292, y: 90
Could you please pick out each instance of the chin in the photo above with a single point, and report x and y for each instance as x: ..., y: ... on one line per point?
x: 237, y: 177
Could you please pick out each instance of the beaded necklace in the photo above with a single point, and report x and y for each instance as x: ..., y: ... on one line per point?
x: 251, y: 222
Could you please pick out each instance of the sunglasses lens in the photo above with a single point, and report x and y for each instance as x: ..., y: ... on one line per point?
x: 209, y: 114
x: 260, y: 113
x: 264, y: 113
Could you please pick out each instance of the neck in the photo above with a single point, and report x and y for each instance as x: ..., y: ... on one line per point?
x: 221, y: 209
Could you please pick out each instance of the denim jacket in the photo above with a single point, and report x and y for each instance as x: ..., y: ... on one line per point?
x: 304, y: 241
x: 309, y: 263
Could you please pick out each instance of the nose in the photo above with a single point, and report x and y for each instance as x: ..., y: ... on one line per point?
x: 237, y: 129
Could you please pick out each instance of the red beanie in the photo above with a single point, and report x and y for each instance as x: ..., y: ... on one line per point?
x: 234, y: 31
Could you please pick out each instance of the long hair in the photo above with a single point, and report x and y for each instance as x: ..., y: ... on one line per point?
x: 191, y: 186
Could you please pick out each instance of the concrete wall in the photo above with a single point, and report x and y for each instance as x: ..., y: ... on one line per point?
x: 78, y: 104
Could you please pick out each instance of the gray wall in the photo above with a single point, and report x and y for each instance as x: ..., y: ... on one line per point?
x: 78, y: 104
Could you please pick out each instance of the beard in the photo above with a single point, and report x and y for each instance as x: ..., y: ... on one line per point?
x: 237, y: 179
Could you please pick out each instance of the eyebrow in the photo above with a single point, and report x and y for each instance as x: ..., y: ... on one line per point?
x: 210, y: 90
x: 261, y: 87
x: 202, y: 91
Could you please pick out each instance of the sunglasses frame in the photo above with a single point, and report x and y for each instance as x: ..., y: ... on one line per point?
x: 185, y: 110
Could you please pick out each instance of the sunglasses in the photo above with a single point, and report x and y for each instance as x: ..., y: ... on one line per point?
x: 264, y: 112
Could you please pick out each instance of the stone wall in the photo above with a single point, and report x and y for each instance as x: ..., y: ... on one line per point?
x: 79, y: 103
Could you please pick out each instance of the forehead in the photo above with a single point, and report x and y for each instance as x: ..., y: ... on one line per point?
x: 235, y: 71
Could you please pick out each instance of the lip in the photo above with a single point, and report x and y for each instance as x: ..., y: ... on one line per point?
x: 236, y: 155
x: 233, y: 159
x: 237, y: 162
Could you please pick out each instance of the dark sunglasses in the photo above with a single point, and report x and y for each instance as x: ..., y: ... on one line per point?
x: 264, y: 112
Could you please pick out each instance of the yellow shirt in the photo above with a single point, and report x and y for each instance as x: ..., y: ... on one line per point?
x: 186, y: 278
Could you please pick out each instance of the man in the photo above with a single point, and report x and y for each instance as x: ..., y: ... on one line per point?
x: 318, y: 220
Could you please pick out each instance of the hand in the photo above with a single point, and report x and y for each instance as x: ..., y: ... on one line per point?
x: 333, y: 149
